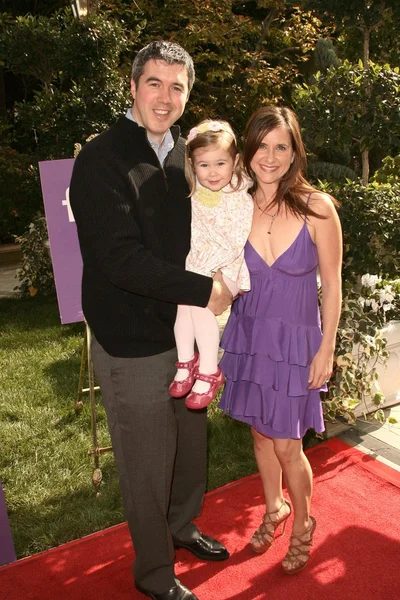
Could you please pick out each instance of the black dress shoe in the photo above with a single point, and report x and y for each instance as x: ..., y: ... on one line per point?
x: 177, y: 592
x: 205, y: 548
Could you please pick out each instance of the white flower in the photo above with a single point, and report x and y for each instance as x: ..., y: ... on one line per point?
x: 370, y: 280
x: 374, y: 305
x: 385, y: 296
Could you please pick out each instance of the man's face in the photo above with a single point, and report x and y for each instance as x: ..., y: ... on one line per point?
x: 160, y: 97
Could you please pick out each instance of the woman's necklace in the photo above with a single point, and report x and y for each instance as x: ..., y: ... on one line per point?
x: 264, y: 212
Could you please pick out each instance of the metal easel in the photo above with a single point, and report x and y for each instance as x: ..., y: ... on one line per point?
x: 87, y: 365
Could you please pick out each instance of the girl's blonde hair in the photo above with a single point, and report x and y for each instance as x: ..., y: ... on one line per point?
x: 211, y: 133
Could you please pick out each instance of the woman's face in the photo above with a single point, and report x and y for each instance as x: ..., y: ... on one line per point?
x: 273, y: 157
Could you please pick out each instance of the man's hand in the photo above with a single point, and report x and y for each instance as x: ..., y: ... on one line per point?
x: 220, y: 297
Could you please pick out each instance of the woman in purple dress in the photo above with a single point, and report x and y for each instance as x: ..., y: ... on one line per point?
x: 276, y: 359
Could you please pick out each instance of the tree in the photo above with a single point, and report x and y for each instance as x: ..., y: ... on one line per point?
x: 33, y: 7
x: 364, y: 16
x: 352, y: 107
x: 72, y: 88
x: 246, y: 53
x: 72, y: 68
x: 356, y: 95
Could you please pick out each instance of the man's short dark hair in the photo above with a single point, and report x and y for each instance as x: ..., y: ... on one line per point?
x: 169, y: 52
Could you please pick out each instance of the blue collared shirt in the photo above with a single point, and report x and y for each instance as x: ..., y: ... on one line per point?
x: 162, y: 150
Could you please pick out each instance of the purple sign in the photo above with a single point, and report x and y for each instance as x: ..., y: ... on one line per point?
x: 7, y: 554
x: 55, y: 177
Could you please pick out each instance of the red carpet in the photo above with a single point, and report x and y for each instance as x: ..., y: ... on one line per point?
x: 356, y: 553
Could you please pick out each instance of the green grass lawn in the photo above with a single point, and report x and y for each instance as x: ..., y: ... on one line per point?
x: 44, y: 466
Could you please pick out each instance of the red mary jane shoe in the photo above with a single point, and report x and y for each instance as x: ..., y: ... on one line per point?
x: 178, y: 389
x: 195, y: 400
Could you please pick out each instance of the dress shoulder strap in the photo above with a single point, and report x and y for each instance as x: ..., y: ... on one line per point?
x: 308, y: 200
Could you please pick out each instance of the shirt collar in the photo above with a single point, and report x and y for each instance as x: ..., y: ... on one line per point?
x: 162, y: 149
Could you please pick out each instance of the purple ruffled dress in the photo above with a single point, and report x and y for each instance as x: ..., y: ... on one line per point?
x: 270, y: 339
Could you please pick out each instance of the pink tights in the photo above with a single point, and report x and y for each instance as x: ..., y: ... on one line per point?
x: 197, y: 324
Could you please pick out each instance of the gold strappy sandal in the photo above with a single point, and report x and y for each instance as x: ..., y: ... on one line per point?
x: 299, y: 550
x: 264, y: 536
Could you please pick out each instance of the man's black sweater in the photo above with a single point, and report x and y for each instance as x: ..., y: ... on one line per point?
x: 133, y: 220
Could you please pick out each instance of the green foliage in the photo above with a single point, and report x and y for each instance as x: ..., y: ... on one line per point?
x: 45, y: 470
x: 353, y: 104
x: 34, y: 7
x: 361, y: 27
x: 360, y: 349
x: 349, y: 114
x: 72, y: 69
x: 355, y: 14
x: 325, y: 54
x: 371, y: 228
x: 390, y: 170
x: 329, y: 171
x: 384, y: 44
x: 20, y: 196
x: 244, y: 52
x: 35, y: 34
x: 74, y: 86
x: 35, y: 274
x: 351, y: 107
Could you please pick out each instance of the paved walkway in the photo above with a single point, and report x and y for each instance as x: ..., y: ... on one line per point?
x: 10, y: 257
x: 379, y: 440
x: 8, y: 281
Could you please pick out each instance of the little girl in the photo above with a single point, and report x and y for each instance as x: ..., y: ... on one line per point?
x: 222, y: 213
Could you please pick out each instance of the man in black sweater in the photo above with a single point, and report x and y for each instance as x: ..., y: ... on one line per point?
x: 131, y: 206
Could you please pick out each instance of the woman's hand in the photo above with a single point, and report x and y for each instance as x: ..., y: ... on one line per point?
x: 320, y: 369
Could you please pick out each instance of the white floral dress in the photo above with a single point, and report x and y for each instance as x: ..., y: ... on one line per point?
x: 221, y: 223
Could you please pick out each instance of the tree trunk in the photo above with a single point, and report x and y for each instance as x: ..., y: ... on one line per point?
x: 365, y: 153
x: 265, y: 27
x: 92, y: 6
x: 88, y: 6
x: 365, y: 166
x: 3, y: 109
x: 366, y: 36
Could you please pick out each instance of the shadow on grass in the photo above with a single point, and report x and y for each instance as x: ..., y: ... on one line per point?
x: 69, y: 515
x: 33, y: 322
x: 230, y: 449
x: 35, y: 312
x: 63, y: 373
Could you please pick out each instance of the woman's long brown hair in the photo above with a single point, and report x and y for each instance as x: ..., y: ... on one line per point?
x: 293, y: 186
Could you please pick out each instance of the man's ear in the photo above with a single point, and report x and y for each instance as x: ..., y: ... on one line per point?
x: 133, y: 88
